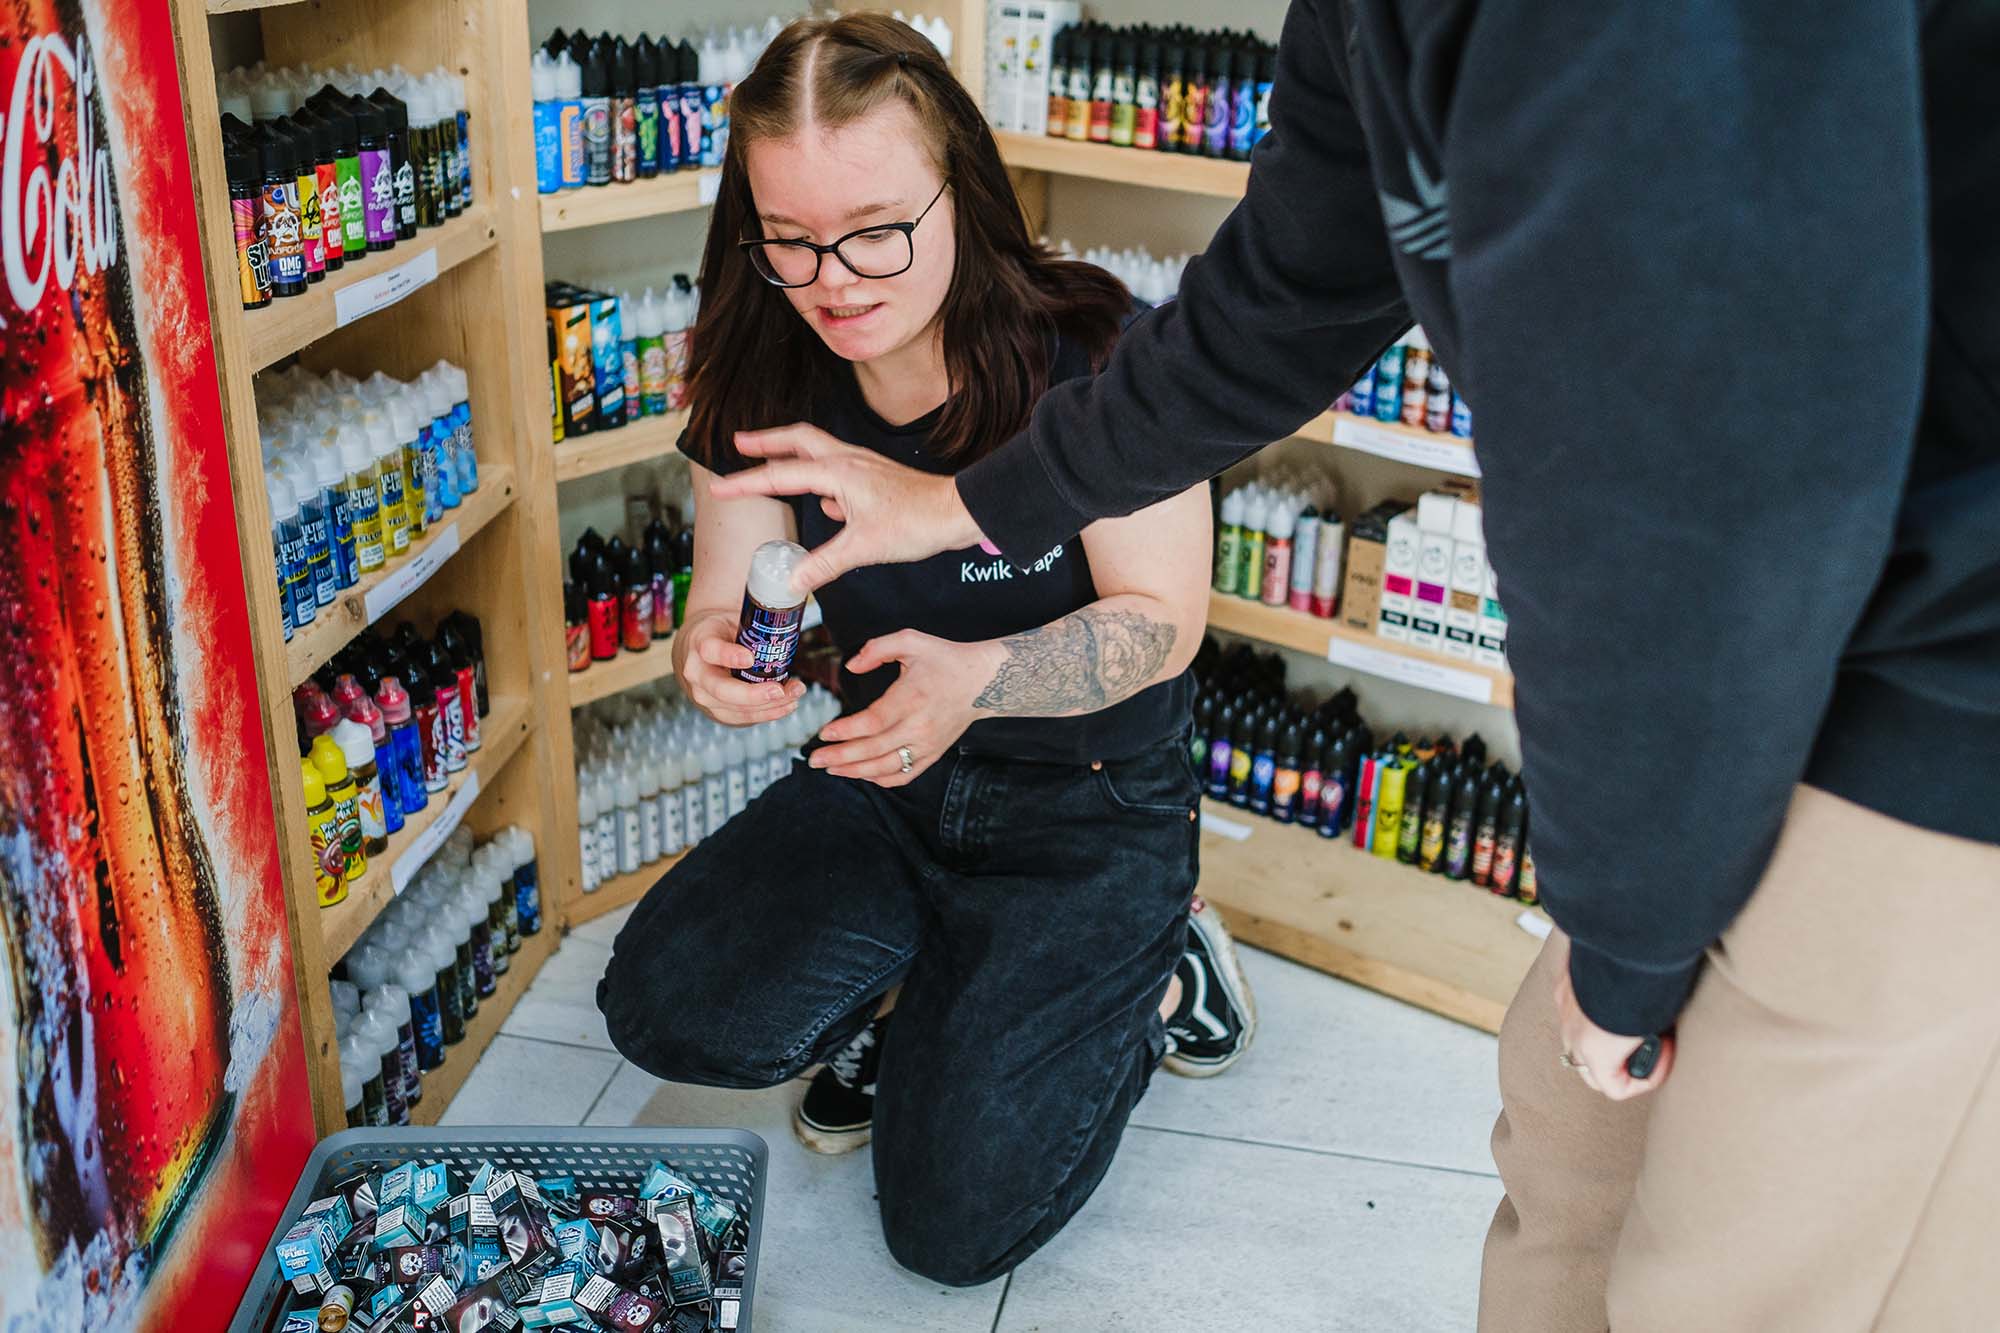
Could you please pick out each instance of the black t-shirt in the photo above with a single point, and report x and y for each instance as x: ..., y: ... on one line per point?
x: 966, y: 596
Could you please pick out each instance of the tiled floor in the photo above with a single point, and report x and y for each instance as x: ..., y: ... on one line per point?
x: 1336, y: 1179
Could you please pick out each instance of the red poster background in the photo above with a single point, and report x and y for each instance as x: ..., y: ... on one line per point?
x: 154, y: 1106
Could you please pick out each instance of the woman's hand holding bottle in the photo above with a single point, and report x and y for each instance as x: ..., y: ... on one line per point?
x: 707, y: 658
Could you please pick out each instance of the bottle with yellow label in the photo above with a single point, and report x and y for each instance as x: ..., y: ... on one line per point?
x: 340, y: 790
x: 323, y: 826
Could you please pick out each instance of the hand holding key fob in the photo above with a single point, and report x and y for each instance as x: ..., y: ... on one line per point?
x: 1641, y: 1063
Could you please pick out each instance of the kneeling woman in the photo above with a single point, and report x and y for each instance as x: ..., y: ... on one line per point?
x: 1004, y: 824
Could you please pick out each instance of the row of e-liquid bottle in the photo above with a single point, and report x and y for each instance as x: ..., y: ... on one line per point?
x: 382, y: 727
x: 356, y: 471
x: 1408, y: 385
x: 404, y: 992
x: 609, y: 111
x: 614, y: 358
x: 1153, y: 280
x: 1282, y: 543
x: 623, y: 598
x: 1170, y: 90
x: 654, y: 777
x: 326, y: 166
x: 1430, y: 803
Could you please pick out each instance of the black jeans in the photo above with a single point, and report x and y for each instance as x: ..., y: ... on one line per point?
x: 1033, y: 913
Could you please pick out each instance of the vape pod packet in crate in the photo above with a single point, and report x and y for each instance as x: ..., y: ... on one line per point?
x: 599, y: 1206
x: 681, y: 1251
x: 663, y: 1183
x: 553, y: 1301
x: 401, y: 1225
x: 614, y: 1307
x: 419, y: 1265
x: 434, y: 1186
x: 489, y: 1307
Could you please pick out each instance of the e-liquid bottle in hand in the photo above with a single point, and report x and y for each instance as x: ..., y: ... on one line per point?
x: 773, y: 614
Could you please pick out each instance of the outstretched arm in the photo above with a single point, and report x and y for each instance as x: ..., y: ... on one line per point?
x: 1152, y: 572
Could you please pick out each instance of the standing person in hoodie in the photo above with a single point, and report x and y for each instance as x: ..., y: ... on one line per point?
x: 1723, y: 289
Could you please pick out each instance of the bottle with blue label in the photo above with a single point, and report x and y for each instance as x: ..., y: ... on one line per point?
x: 773, y: 615
x: 527, y: 882
x: 548, y: 125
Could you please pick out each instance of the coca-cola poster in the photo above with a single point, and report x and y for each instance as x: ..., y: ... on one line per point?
x: 154, y: 1110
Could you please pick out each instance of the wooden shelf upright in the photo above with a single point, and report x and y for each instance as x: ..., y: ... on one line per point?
x: 506, y: 572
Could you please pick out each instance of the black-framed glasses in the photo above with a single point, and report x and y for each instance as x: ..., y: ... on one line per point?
x: 882, y: 251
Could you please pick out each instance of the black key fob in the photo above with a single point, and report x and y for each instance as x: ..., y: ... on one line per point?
x: 1641, y: 1063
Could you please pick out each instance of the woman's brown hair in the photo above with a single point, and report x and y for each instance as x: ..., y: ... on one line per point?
x: 753, y: 363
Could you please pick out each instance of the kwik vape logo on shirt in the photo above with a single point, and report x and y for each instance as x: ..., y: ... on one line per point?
x: 993, y: 571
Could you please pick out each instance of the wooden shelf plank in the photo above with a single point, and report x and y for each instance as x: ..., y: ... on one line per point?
x: 285, y: 326
x: 443, y: 1083
x: 620, y: 891
x: 1361, y: 651
x: 638, y: 441
x: 1394, y: 441
x: 1217, y: 178
x: 675, y: 192
x: 1445, y: 946
x: 627, y: 671
x: 242, y: 6
x: 502, y: 730
x: 334, y: 625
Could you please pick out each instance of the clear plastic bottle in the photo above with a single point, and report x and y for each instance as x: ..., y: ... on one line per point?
x: 476, y: 916
x: 606, y: 791
x: 714, y: 782
x: 736, y: 772
x: 394, y: 1001
x: 359, y: 1057
x: 630, y: 835
x: 648, y: 773
x: 694, y: 801
x: 672, y: 815
x: 377, y: 1033
x: 586, y: 823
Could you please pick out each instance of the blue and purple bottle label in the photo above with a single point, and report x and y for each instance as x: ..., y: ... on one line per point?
x: 772, y: 636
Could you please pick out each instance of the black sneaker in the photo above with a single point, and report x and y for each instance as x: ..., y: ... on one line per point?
x: 1216, y: 1019
x: 837, y: 1114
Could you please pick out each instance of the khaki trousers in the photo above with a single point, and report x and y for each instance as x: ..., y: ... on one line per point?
x: 1826, y: 1153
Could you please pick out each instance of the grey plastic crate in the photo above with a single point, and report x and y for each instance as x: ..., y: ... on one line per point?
x: 731, y: 1164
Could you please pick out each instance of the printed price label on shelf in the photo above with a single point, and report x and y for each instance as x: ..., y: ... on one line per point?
x: 1425, y: 675
x: 1442, y: 453
x: 709, y: 188
x: 1534, y: 923
x: 384, y: 289
x: 1227, y: 828
x: 412, y: 574
x: 405, y: 867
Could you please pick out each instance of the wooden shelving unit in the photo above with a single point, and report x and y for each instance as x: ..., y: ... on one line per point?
x: 1446, y: 946
x: 621, y: 891
x: 502, y: 731
x: 1216, y: 178
x: 1361, y: 651
x: 1394, y: 441
x: 627, y: 671
x: 638, y: 441
x: 675, y: 192
x: 468, y: 292
x: 378, y: 594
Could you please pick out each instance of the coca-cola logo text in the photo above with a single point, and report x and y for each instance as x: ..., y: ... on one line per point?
x: 52, y: 222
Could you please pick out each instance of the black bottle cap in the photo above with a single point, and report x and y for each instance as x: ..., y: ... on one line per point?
x: 590, y: 541
x: 557, y: 43
x: 624, y: 72
x: 1149, y: 57
x: 239, y: 157
x: 1128, y: 52
x: 597, y: 72
x: 1059, y: 48
x: 603, y: 583
x: 1267, y: 65
x: 331, y: 106
x: 1223, y: 62
x: 1084, y: 51
x: 232, y: 129
x: 574, y: 604
x: 645, y: 62
x: 690, y: 62
x: 275, y: 154
x: 394, y: 109
x: 1197, y: 62
x: 638, y: 572
x: 370, y: 121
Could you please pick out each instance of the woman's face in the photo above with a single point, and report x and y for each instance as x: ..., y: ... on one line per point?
x: 821, y: 185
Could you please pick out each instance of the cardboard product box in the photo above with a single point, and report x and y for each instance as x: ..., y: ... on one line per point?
x: 1003, y: 37
x: 612, y: 1306
x: 680, y: 1251
x: 553, y: 1300
x: 1367, y: 553
x: 404, y: 1224
x: 1436, y: 513
x: 433, y: 1187
x: 576, y: 365
x: 1468, y: 582
x: 1041, y: 20
x: 1399, y: 578
x: 1491, y: 649
x: 607, y: 354
x: 397, y: 1186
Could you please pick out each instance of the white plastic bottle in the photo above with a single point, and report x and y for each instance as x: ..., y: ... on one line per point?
x: 714, y: 782
x: 694, y: 801
x: 630, y: 837
x: 648, y: 773
x: 673, y: 819
x: 377, y: 1029
x: 359, y: 1058
x: 586, y: 821
x: 736, y: 772
x: 606, y: 789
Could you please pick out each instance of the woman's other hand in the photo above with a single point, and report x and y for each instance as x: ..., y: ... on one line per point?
x: 926, y: 710
x: 707, y: 657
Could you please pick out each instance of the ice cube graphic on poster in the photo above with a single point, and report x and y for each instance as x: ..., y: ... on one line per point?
x: 154, y: 1108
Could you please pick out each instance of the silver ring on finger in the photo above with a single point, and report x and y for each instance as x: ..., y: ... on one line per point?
x: 1568, y: 1061
x: 909, y: 759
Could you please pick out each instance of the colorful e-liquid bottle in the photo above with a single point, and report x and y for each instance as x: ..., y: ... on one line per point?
x: 1457, y: 860
x: 402, y: 173
x: 1416, y: 794
x: 326, y: 183
x: 1286, y: 780
x: 253, y: 261
x: 1393, y: 776
x: 1507, y: 838
x: 357, y: 747
x: 278, y: 217
x: 660, y: 570
x: 1389, y: 384
x: 683, y: 572
x: 773, y: 614
x: 1124, y: 94
x: 1243, y: 107
x: 1367, y: 786
x: 548, y: 125
x: 1267, y: 74
x: 1278, y: 552
x: 576, y: 627
x: 451, y: 641
x: 1219, y: 745
x: 1264, y: 762
x: 406, y: 745
x: 603, y: 610
x: 1059, y: 58
x: 695, y: 139
x: 1486, y: 825
x: 323, y: 828
x: 646, y: 104
x: 327, y: 757
x: 1228, y: 541
x: 624, y: 113
x: 575, y: 171
x: 597, y: 113
x: 337, y: 110
x: 673, y: 138
x: 1250, y: 548
x: 1194, y: 104
x: 312, y: 244
x: 378, y: 175
x: 1077, y: 127
x: 1173, y: 100
x: 288, y: 532
x: 1242, y: 753
x: 1220, y: 104
x: 1146, y: 99
x: 451, y: 709
x: 1103, y: 79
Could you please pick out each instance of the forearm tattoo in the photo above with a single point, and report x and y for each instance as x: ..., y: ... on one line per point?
x: 1086, y: 661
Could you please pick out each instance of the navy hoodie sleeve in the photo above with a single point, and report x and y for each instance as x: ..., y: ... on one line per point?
x: 1689, y: 265
x: 1293, y: 297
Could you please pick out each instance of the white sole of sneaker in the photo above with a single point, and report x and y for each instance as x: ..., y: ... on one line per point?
x: 1230, y: 973
x: 830, y: 1142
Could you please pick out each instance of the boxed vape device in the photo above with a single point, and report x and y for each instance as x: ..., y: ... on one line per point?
x: 1399, y: 578
x: 1435, y: 516
x: 1468, y: 582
